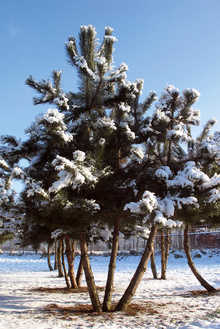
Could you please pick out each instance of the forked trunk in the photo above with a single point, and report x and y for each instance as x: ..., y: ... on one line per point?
x: 203, y: 282
x: 88, y: 274
x: 153, y: 266
x: 163, y: 261
x: 48, y: 257
x: 132, y: 287
x: 79, y: 273
x: 107, y: 303
x: 70, y: 260
x: 64, y: 268
x: 59, y: 260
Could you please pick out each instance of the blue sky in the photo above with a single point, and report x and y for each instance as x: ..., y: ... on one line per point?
x: 162, y: 41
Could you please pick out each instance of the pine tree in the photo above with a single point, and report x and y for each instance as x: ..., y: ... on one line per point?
x: 10, y: 216
x: 102, y: 118
x: 175, y: 185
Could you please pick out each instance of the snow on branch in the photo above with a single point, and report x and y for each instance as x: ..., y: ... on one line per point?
x: 75, y: 173
x: 55, y: 119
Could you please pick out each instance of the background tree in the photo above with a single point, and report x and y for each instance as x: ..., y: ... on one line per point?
x: 173, y: 182
x: 10, y: 210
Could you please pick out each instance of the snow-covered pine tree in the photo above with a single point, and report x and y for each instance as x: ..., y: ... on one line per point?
x: 10, y: 210
x: 102, y: 116
x: 204, y: 150
x: 47, y: 137
x: 173, y: 182
x: 83, y: 108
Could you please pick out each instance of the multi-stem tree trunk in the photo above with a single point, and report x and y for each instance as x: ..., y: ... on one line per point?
x: 203, y: 282
x: 64, y: 268
x: 132, y: 287
x: 70, y: 260
x: 107, y: 303
x: 59, y: 259
x: 79, y: 273
x: 55, y: 255
x: 48, y: 257
x: 163, y: 261
x: 88, y: 274
x: 153, y: 265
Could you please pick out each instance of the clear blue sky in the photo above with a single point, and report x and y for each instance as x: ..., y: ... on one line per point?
x: 162, y: 41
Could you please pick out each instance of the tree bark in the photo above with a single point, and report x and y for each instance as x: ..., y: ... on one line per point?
x: 88, y: 274
x: 59, y: 261
x: 79, y: 273
x: 163, y: 261
x: 167, y: 248
x: 48, y: 257
x: 70, y: 260
x: 203, y: 282
x: 153, y: 265
x: 64, y: 268
x: 107, y: 303
x: 55, y: 255
x: 132, y: 287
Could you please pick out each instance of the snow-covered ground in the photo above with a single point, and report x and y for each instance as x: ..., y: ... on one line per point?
x: 167, y: 303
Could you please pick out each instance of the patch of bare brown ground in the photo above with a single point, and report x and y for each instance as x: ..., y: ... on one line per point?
x: 150, y: 308
x: 201, y: 293
x: 84, y: 309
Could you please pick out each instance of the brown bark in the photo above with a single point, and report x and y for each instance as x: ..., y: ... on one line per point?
x: 153, y: 266
x: 107, y: 303
x: 167, y: 248
x: 163, y: 262
x: 203, y: 282
x: 79, y: 273
x: 48, y: 257
x: 55, y: 256
x: 70, y: 260
x: 88, y: 274
x: 64, y: 268
x: 132, y: 287
x: 59, y: 261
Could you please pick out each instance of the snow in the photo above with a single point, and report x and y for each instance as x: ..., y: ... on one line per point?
x: 110, y: 39
x: 55, y: 118
x: 4, y: 164
x: 163, y: 172
x: 138, y: 152
x: 170, y: 303
x: 73, y: 172
x: 132, y: 206
x: 106, y: 123
x: 191, y: 91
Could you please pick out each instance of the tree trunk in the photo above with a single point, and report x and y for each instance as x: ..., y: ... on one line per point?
x: 48, y: 257
x: 55, y: 256
x: 167, y: 249
x: 64, y: 268
x: 153, y: 265
x: 163, y: 261
x: 79, y: 273
x: 132, y: 287
x: 70, y: 260
x: 107, y: 303
x: 204, y: 283
x: 88, y: 274
x: 59, y: 261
